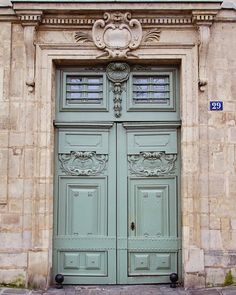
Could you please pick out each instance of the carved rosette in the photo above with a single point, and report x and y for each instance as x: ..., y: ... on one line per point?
x: 83, y: 163
x: 118, y: 72
x: 152, y: 164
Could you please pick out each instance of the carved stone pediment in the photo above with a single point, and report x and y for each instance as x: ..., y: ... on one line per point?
x: 117, y: 34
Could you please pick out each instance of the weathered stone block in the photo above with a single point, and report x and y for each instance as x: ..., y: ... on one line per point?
x: 13, y: 260
x: 215, y: 240
x: 10, y: 240
x: 215, y: 276
x: 38, y: 269
x: 15, y: 277
x: 195, y: 261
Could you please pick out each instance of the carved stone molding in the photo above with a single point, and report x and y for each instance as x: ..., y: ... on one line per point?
x: 30, y: 23
x: 152, y: 164
x: 118, y: 72
x: 204, y: 36
x: 67, y: 21
x: 144, y: 21
x: 83, y: 163
x: 203, y: 18
x: 29, y: 38
x: 203, y: 21
x: 168, y: 20
x: 117, y: 34
x: 30, y: 19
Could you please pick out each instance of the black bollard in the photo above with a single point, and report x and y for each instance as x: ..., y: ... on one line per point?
x: 59, y: 278
x: 173, y: 278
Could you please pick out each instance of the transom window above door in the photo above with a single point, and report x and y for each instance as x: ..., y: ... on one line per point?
x: 83, y: 88
x: 117, y: 89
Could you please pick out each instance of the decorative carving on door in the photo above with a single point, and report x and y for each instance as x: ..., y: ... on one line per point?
x: 152, y: 164
x: 118, y: 72
x: 83, y: 163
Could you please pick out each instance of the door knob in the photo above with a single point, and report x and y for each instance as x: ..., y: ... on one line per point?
x: 132, y: 226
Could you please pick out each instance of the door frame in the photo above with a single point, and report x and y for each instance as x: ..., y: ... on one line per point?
x: 187, y: 57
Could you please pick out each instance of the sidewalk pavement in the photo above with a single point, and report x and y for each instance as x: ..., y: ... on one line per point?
x: 121, y: 290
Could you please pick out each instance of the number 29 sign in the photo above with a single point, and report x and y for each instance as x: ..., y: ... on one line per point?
x: 216, y: 105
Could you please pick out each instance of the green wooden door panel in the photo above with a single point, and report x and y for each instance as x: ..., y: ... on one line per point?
x: 83, y: 263
x: 148, y: 140
x: 83, y: 140
x: 86, y: 199
x: 151, y: 263
x: 152, y: 207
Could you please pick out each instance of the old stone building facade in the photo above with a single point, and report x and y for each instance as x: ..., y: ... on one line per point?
x: 89, y: 89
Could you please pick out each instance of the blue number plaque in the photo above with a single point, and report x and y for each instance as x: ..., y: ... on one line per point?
x: 216, y: 105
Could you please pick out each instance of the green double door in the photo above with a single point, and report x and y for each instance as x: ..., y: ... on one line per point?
x: 116, y: 202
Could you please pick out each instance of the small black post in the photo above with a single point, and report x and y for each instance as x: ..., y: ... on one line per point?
x: 173, y: 278
x: 59, y: 278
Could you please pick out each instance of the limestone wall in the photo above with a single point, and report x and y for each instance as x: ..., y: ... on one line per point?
x: 25, y: 171
x: 217, y: 157
x: 208, y: 150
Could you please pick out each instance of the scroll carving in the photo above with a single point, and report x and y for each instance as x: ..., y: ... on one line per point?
x: 152, y: 164
x: 117, y: 34
x: 83, y: 163
x: 30, y: 23
x: 204, y: 37
x: 118, y: 73
x: 203, y: 20
x: 152, y: 35
x: 29, y: 38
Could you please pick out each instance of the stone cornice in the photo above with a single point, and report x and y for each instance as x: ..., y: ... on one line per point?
x: 159, y: 20
x: 200, y: 17
x: 28, y: 18
x: 7, y: 14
